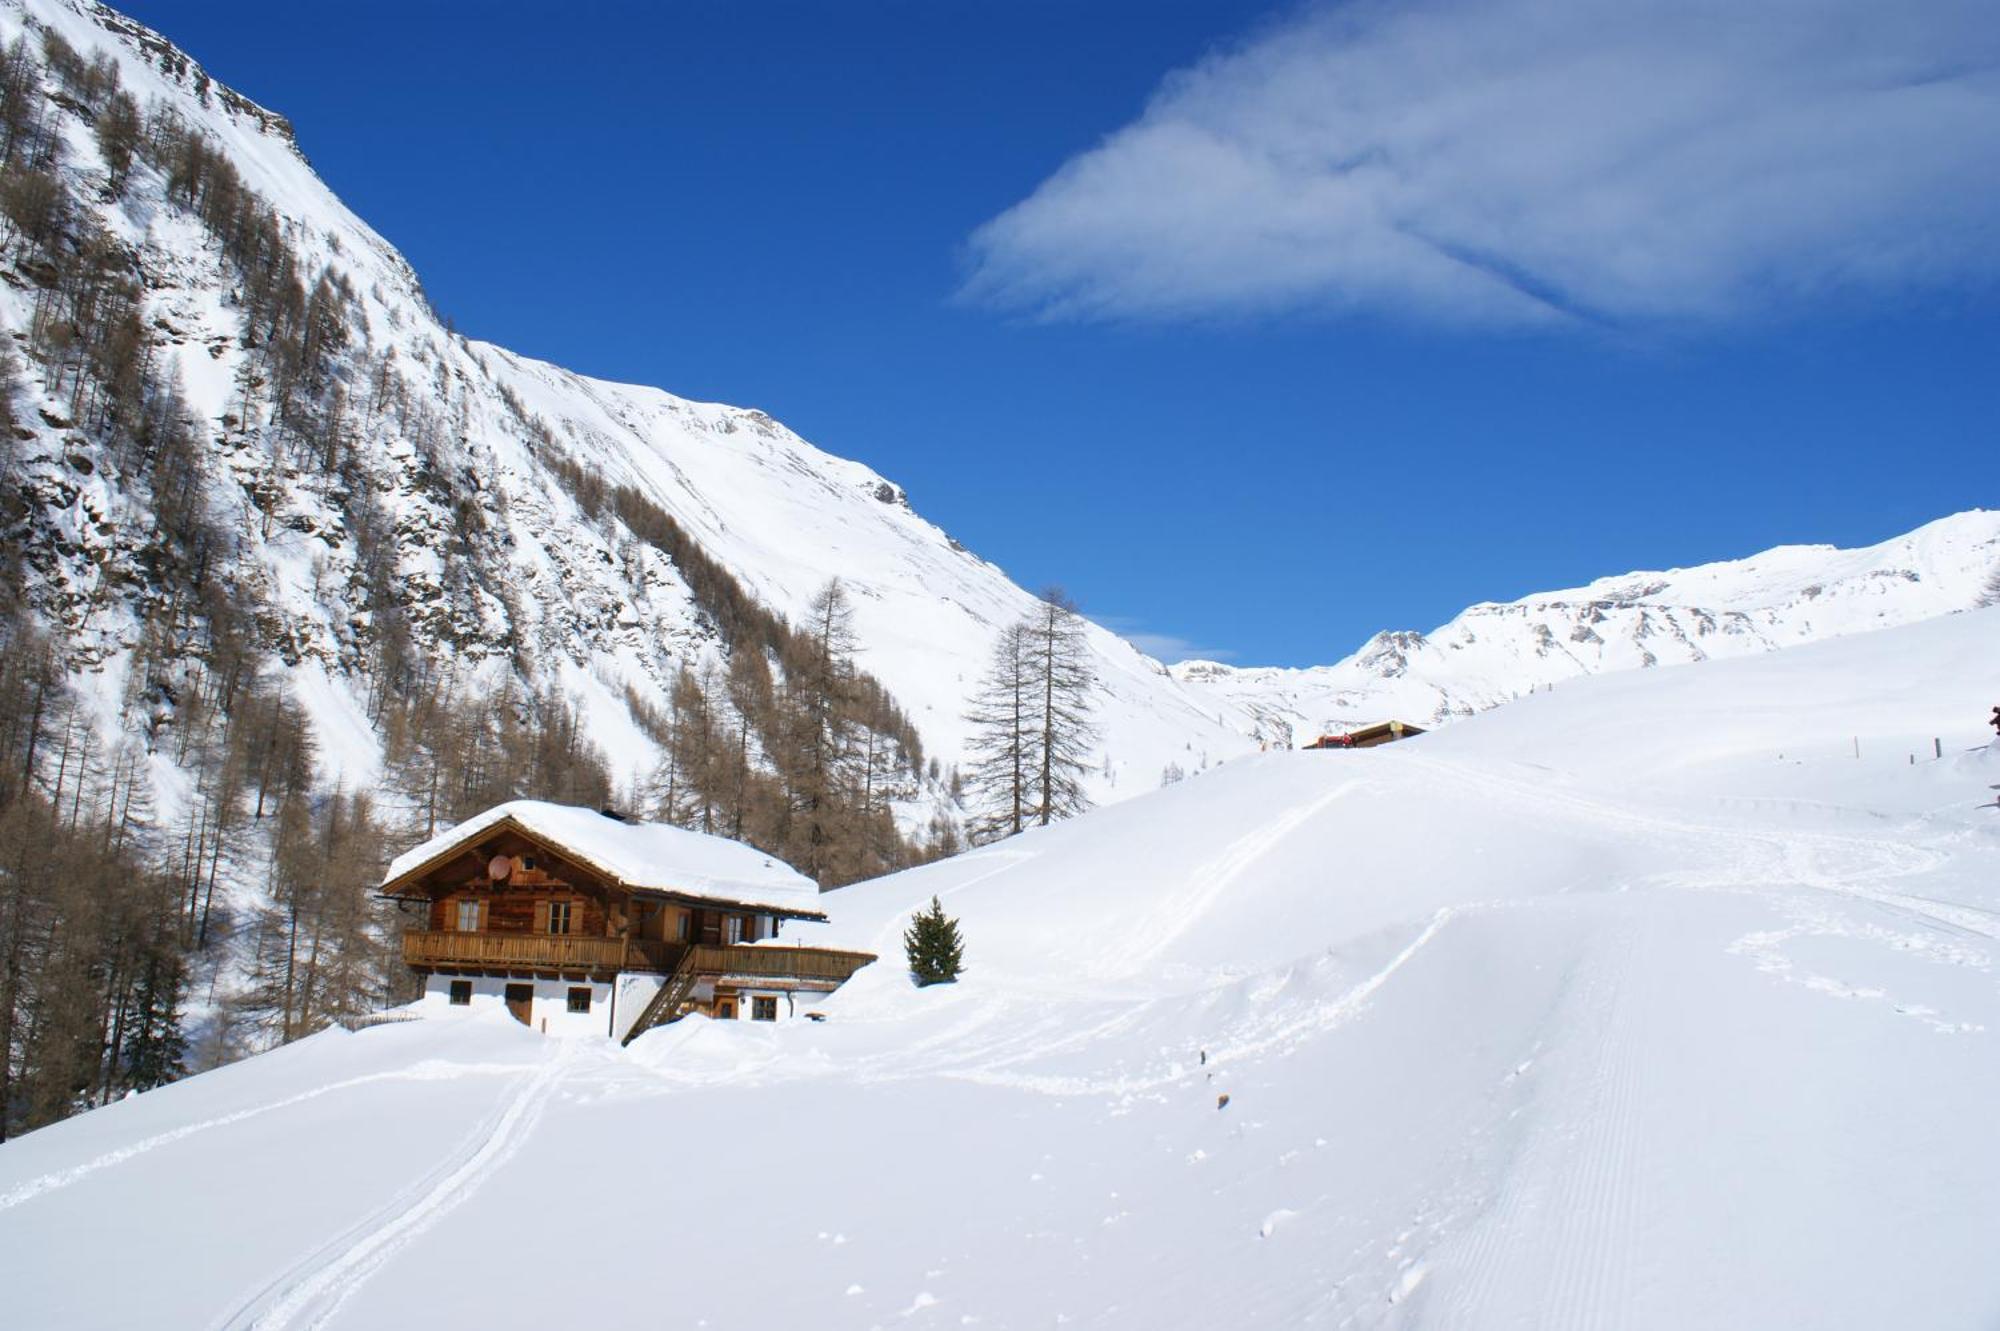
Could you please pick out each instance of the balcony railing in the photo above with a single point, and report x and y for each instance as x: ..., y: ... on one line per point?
x: 526, y: 951
x: 487, y: 950
x: 794, y: 963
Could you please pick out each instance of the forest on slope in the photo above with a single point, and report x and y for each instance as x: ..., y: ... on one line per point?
x: 179, y: 882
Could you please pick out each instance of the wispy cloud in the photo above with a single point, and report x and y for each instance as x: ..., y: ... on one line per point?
x: 1168, y: 647
x: 1533, y: 161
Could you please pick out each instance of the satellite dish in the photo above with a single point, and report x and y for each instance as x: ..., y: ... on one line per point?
x: 499, y: 867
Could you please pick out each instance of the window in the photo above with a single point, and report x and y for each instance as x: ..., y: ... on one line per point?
x: 461, y: 993
x: 558, y: 917
x: 681, y: 927
x: 579, y: 999
x: 732, y: 929
x: 468, y: 917
x: 528, y: 863
x: 763, y: 1008
x: 725, y: 1009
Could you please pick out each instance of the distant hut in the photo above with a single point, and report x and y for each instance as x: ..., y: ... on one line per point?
x: 1382, y: 732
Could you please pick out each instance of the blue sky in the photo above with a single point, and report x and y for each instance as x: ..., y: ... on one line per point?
x: 1258, y: 329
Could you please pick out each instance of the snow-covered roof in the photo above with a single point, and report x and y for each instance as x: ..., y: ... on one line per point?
x: 651, y: 857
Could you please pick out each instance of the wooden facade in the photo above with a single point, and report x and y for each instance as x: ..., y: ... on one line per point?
x: 515, y: 905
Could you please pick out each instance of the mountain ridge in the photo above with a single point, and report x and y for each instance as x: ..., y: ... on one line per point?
x: 1778, y: 597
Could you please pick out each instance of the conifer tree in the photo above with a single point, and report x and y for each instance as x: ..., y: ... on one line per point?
x: 155, y: 1046
x: 936, y: 952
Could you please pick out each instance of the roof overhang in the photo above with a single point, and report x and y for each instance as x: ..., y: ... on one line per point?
x: 741, y: 903
x: 404, y: 886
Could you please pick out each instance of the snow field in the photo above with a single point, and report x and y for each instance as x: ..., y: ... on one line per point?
x: 1590, y: 1012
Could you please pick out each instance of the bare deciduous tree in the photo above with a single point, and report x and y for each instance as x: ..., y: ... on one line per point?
x: 1032, y: 729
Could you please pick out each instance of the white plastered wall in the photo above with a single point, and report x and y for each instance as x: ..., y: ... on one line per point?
x: 792, y: 1003
x: 549, y: 1010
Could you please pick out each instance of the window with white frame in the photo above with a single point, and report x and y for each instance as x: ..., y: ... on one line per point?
x: 763, y: 1007
x: 461, y: 993
x: 559, y: 917
x: 732, y: 928
x: 468, y: 917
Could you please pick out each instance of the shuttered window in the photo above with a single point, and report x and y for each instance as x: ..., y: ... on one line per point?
x: 559, y: 917
x: 468, y: 917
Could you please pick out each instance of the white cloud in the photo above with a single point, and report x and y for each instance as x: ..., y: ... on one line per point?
x: 1528, y: 161
x: 1170, y: 648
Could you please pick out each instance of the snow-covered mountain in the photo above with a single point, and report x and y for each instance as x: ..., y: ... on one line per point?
x: 1493, y: 653
x: 1645, y: 1003
x: 469, y: 505
x: 472, y: 455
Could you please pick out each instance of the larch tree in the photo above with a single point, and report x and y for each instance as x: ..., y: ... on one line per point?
x: 1001, y: 716
x: 1032, y: 733
x: 819, y: 685
x: 1062, y: 735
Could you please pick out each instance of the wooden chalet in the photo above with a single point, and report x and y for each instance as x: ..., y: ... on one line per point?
x: 1382, y: 732
x: 583, y: 922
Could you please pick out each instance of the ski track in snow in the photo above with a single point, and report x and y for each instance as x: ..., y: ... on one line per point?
x: 431, y: 1070
x: 1550, y: 1238
x: 1253, y: 1036
x: 1596, y: 1200
x: 312, y: 1292
x: 1841, y: 865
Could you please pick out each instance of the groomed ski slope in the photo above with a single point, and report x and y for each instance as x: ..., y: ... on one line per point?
x: 1642, y: 1003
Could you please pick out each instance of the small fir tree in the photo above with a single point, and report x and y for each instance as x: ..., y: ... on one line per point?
x: 936, y: 952
x: 155, y: 1047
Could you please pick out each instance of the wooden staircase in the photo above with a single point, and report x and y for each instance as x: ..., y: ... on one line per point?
x: 671, y: 1003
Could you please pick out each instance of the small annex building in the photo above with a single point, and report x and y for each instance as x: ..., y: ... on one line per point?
x: 583, y: 922
x: 1382, y: 732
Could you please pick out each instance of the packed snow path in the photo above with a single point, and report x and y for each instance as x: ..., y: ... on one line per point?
x: 1641, y: 1004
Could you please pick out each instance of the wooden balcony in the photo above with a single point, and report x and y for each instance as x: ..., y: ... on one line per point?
x: 495, y: 951
x: 450, y: 949
x: 788, y: 963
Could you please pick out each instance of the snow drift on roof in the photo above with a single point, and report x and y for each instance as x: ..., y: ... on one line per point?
x: 650, y: 856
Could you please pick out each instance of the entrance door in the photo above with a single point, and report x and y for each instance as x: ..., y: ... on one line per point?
x: 521, y: 1001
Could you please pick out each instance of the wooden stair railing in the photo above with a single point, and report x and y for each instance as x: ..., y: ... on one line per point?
x: 667, y: 1004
